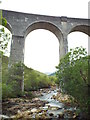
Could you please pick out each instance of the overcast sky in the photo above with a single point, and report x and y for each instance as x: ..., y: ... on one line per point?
x: 70, y: 8
x: 42, y: 47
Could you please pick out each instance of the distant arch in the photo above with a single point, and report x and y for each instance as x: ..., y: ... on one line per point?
x: 81, y: 28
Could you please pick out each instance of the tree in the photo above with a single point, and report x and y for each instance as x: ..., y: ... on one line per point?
x: 15, y: 78
x: 73, y: 76
x: 4, y: 37
x: 5, y: 90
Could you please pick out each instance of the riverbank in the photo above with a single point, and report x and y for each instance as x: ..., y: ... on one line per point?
x: 47, y: 104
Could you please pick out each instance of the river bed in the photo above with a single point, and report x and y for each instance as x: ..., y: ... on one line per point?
x: 55, y: 107
x: 43, y: 106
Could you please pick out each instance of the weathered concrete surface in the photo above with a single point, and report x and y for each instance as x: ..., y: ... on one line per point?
x: 21, y: 24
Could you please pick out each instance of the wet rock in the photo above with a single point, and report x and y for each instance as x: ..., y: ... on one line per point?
x: 69, y: 114
x: 18, y: 112
x: 49, y: 91
x: 53, y: 97
x: 51, y: 114
x: 48, y: 106
x: 41, y: 116
x: 40, y: 110
x: 74, y: 115
x: 37, y: 117
x: 54, y: 108
x: 35, y: 99
x: 3, y: 117
x: 44, y: 116
x: 61, y: 115
x: 40, y: 113
x: 34, y: 110
x: 21, y: 114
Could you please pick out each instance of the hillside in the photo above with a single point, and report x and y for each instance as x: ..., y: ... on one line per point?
x: 52, y: 74
x: 33, y: 79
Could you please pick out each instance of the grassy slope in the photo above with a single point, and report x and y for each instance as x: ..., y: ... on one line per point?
x: 33, y: 79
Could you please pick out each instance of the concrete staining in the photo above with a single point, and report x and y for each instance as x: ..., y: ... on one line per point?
x: 21, y: 24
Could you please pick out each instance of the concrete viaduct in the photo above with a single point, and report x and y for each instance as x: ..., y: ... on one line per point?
x: 21, y: 24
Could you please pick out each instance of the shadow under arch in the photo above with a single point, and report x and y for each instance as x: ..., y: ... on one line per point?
x: 81, y: 28
x: 47, y: 26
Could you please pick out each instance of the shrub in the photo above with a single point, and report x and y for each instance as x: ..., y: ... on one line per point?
x: 72, y: 75
x: 16, y: 77
x: 7, y: 91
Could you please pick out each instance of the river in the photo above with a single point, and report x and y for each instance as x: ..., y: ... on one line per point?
x: 55, y: 107
x: 43, y: 106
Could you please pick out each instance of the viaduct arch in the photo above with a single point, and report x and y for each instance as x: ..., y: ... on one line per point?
x: 21, y: 24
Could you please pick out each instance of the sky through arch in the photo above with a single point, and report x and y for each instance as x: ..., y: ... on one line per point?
x: 77, y: 39
x: 41, y: 52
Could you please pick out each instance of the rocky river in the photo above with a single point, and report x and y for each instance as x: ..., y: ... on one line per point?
x: 48, y: 103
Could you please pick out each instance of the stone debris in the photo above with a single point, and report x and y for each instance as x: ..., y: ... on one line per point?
x: 19, y: 108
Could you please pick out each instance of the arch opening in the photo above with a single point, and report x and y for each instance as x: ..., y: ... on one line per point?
x: 77, y: 39
x: 46, y: 26
x: 41, y: 51
x: 81, y: 28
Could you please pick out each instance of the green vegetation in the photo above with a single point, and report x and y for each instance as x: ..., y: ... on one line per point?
x: 4, y: 40
x: 72, y: 75
x: 15, y: 76
x: 4, y: 69
x: 4, y: 37
x: 12, y: 79
x: 34, y: 80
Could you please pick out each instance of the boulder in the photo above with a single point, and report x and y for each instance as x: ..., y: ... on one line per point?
x: 34, y: 110
x: 3, y: 117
